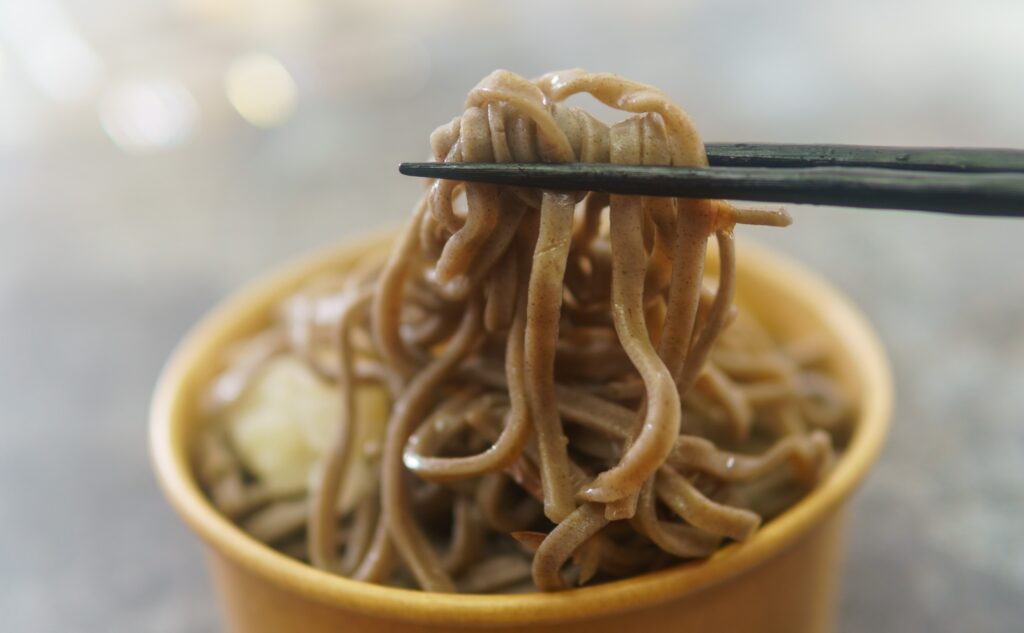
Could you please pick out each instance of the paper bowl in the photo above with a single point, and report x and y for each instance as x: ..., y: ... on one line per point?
x: 785, y: 578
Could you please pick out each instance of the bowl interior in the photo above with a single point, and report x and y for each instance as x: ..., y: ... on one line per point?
x: 787, y: 298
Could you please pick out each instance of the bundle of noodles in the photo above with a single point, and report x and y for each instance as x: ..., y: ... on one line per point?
x: 532, y: 381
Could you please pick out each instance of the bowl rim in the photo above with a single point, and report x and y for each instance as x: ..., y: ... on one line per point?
x: 169, y: 454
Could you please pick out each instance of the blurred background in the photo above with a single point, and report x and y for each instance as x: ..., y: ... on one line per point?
x: 155, y: 155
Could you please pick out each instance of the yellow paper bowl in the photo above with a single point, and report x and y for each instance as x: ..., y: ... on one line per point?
x: 785, y: 578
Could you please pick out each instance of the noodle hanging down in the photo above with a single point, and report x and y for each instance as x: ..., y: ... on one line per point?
x: 536, y: 389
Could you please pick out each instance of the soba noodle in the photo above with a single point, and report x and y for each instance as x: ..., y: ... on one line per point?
x: 533, y: 380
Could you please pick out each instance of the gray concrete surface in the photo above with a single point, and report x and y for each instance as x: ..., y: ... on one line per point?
x: 106, y: 257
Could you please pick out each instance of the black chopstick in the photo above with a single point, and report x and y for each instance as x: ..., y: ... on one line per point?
x: 983, y: 194
x: 911, y: 158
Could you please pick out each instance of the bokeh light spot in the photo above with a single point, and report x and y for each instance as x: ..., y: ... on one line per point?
x: 150, y: 114
x: 260, y: 89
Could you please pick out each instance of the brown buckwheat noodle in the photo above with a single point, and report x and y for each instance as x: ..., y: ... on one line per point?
x: 563, y: 395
